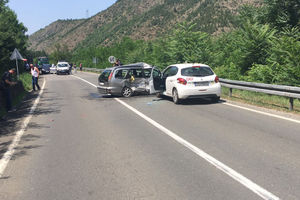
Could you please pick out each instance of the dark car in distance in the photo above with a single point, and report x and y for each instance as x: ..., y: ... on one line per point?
x: 45, y: 68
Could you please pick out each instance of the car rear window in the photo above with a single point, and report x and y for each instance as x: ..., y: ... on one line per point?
x: 104, y: 76
x: 62, y: 65
x: 197, y: 71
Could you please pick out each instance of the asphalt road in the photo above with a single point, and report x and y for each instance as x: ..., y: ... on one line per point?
x: 81, y: 145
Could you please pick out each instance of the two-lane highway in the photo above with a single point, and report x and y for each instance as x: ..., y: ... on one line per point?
x: 81, y: 145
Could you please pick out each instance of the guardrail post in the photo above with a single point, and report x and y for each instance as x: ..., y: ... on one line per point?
x: 291, y: 103
x: 230, y: 92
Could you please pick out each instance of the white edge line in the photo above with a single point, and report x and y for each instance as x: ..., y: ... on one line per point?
x: 227, y: 170
x: 11, y: 149
x: 263, y: 113
x: 264, y: 194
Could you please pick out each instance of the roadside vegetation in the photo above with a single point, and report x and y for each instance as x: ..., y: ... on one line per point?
x: 260, y: 99
x: 264, y: 46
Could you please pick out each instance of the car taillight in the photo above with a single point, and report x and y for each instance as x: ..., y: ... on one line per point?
x: 217, y: 79
x: 182, y: 81
x: 109, y: 78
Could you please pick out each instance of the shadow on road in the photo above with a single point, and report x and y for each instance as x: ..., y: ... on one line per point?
x: 191, y: 102
x: 14, y: 122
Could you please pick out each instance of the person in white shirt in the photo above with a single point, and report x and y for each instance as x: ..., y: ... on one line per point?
x: 35, y: 77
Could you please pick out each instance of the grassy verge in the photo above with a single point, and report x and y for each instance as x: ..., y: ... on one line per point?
x: 261, y: 99
x: 26, y: 80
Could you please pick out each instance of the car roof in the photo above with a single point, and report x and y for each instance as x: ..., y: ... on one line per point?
x: 133, y: 65
x: 184, y: 65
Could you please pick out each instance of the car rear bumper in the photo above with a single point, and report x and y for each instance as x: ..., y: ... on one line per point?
x: 62, y: 71
x: 199, y: 92
x: 107, y: 90
x: 45, y: 71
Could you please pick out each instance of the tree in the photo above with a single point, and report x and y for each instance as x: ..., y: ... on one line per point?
x: 12, y: 35
x: 283, y: 13
x: 188, y: 45
x: 61, y: 53
x: 254, y: 42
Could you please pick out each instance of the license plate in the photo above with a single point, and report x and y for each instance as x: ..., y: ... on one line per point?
x: 201, y: 83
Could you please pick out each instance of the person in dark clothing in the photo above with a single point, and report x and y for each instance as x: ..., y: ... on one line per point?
x: 6, y: 83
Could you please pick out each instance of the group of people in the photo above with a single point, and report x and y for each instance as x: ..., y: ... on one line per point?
x: 7, y: 82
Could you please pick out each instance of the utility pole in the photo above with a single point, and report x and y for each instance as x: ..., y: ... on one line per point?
x: 87, y: 14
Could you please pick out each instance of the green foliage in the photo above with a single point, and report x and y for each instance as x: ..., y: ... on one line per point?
x: 12, y: 35
x: 26, y: 79
x: 254, y: 41
x: 282, y: 13
x: 189, y: 46
x: 61, y: 53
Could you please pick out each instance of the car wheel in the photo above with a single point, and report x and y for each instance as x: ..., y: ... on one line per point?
x: 215, y: 99
x: 176, y: 99
x: 126, y: 92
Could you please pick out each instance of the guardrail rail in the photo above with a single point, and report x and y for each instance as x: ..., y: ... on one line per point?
x: 279, y: 90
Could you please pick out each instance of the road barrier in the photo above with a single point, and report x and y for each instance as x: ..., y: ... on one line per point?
x: 93, y: 70
x: 279, y: 90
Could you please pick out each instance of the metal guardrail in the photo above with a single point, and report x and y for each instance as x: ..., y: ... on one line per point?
x: 279, y: 90
x: 93, y: 70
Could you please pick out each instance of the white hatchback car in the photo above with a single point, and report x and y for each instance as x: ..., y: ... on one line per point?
x: 62, y: 68
x: 183, y: 81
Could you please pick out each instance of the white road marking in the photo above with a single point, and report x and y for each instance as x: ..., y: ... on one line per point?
x: 263, y: 113
x: 85, y: 81
x: 11, y: 149
x: 264, y: 194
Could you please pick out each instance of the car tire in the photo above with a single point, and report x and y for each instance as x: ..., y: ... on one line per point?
x: 127, y: 92
x: 215, y: 99
x: 176, y: 99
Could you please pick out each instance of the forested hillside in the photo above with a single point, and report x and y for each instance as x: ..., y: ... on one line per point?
x: 139, y: 19
x: 264, y: 46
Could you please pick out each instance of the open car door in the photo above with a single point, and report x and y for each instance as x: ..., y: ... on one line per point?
x: 155, y: 81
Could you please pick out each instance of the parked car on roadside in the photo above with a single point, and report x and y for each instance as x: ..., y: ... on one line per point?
x: 46, y: 68
x: 184, y: 81
x: 62, y: 68
x: 53, y: 69
x: 126, y: 80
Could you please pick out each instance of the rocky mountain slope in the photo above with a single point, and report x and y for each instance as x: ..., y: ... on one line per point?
x: 138, y: 19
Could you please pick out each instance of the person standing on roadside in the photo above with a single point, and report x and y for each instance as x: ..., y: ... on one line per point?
x: 70, y: 69
x: 80, y: 66
x: 75, y: 68
x: 35, y: 76
x: 6, y: 83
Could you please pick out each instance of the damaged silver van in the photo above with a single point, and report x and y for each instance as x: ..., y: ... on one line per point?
x: 127, y: 80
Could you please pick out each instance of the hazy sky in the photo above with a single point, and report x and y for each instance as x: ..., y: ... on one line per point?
x: 36, y: 14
